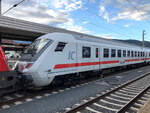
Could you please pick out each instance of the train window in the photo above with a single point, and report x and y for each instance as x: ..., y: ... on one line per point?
x: 97, y: 53
x: 86, y: 52
x: 60, y: 46
x: 132, y: 54
x: 119, y: 53
x: 138, y: 54
x: 106, y: 53
x: 149, y: 54
x: 128, y: 53
x: 113, y: 53
x: 141, y: 54
x: 135, y: 54
x: 124, y: 53
x: 146, y: 54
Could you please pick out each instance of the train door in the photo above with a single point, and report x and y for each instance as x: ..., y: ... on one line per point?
x: 85, y: 57
x: 88, y: 57
x: 96, y: 57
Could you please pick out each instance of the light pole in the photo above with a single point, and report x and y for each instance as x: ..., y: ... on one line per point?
x: 0, y: 7
x: 0, y: 15
x: 143, y: 38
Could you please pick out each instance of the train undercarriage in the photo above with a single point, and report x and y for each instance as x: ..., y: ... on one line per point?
x: 8, y: 81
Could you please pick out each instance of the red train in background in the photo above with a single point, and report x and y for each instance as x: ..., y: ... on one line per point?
x: 3, y: 63
x: 8, y: 78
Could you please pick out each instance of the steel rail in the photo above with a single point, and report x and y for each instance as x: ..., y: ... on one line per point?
x: 82, y: 106
x: 125, y: 108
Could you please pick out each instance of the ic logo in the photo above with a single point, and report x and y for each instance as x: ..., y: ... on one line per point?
x: 71, y: 55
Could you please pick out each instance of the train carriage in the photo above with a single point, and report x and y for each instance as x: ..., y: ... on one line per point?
x: 58, y: 54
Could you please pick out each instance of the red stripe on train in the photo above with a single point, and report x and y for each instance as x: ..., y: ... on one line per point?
x: 132, y: 60
x: 60, y: 66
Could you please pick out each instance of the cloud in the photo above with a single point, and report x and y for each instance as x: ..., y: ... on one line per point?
x: 35, y: 12
x: 70, y: 25
x: 92, y: 1
x: 103, y: 12
x: 107, y: 36
x: 124, y: 10
x: 67, y: 5
x: 132, y: 15
x: 127, y: 25
x: 49, y: 12
x: 85, y: 22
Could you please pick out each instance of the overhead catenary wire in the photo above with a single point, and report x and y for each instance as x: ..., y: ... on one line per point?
x: 15, y: 5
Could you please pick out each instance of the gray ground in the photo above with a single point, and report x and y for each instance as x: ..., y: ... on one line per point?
x: 67, y: 98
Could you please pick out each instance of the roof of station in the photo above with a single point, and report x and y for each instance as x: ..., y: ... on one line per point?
x: 11, y: 28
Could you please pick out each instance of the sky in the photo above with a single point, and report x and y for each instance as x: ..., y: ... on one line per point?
x: 112, y: 19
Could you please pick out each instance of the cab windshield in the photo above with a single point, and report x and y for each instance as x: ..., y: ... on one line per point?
x: 37, y: 46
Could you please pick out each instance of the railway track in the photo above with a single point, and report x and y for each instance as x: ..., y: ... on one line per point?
x: 16, y: 98
x: 126, y: 98
x: 19, y: 97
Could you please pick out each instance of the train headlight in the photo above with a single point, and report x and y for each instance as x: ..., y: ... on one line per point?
x: 29, y: 65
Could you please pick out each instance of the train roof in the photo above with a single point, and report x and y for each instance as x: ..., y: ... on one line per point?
x: 88, y: 38
x: 95, y: 39
x: 105, y: 41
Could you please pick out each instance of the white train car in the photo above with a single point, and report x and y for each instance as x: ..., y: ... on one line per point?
x: 58, y: 54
